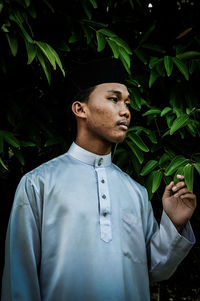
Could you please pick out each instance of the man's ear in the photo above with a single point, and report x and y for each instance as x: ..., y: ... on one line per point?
x: 78, y: 108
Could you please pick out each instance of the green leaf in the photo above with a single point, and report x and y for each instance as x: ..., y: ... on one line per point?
x: 179, y: 123
x: 154, y: 61
x: 197, y: 166
x: 189, y: 176
x: 170, y: 120
x: 135, y: 163
x: 53, y: 141
x: 1, y: 7
x: 149, y: 166
x: 44, y: 67
x: 101, y: 41
x: 32, y: 12
x: 182, y: 67
x: 163, y: 160
x: 165, y: 111
x: 2, y: 163
x: 175, y: 164
x: 153, y: 77
x: 131, y: 3
x: 4, y: 28
x: 94, y: 23
x: 17, y: 16
x: 25, y: 33
x: 49, y: 6
x: 125, y: 64
x: 56, y: 57
x: 141, y: 55
x: 51, y: 55
x: 86, y: 9
x: 122, y: 44
x: 150, y: 134
x: 147, y: 34
x: 88, y: 33
x: 159, y: 67
x: 27, y: 144
x: 135, y: 95
x: 149, y: 185
x: 43, y: 46
x: 94, y: 4
x: 10, y: 138
x: 73, y: 38
x: 168, y: 62
x: 27, y: 2
x: 31, y: 51
x: 107, y: 32
x: 152, y: 137
x: 153, y: 47
x: 139, y: 155
x: 13, y: 43
x: 114, y: 47
x: 138, y: 141
x: 152, y: 112
x: 188, y: 55
x: 20, y: 157
x: 193, y: 66
x: 125, y: 56
x: 157, y: 177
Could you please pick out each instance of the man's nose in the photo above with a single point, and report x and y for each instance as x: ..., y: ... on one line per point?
x: 124, y: 111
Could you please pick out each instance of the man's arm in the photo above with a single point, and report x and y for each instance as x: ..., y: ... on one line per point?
x: 167, y: 248
x: 179, y: 203
x: 168, y: 245
x: 22, y: 252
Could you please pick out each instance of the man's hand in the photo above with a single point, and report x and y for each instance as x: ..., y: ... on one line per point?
x: 179, y: 203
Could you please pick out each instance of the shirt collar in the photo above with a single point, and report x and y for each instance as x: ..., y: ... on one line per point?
x: 87, y: 157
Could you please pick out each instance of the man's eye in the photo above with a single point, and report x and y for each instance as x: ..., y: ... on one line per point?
x: 128, y: 104
x: 115, y: 99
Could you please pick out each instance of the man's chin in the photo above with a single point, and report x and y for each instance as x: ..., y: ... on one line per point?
x: 119, y: 139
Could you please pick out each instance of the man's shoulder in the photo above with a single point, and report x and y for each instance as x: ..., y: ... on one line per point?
x: 49, y: 166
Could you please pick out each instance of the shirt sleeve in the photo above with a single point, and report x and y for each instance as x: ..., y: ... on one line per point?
x: 166, y: 248
x: 22, y: 250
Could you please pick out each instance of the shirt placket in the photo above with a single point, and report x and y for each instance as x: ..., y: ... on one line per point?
x: 104, y: 204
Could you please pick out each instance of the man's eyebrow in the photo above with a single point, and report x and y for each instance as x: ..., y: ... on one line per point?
x: 115, y: 92
x: 119, y: 93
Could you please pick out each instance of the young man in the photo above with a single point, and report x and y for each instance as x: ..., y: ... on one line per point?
x: 81, y: 229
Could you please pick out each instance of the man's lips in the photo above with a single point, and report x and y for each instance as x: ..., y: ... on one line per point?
x: 123, y: 124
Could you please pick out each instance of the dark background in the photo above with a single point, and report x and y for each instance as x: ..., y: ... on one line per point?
x: 35, y: 124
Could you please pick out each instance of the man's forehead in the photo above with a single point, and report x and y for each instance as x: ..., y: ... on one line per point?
x: 112, y: 88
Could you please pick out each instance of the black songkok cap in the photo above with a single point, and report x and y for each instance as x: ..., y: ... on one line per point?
x: 82, y: 76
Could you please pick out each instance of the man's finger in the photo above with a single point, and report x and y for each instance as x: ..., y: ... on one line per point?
x: 181, y: 192
x: 180, y: 177
x: 178, y: 186
x: 168, y: 189
x: 188, y: 195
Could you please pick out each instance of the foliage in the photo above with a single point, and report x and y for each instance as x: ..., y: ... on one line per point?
x: 158, y: 44
x: 162, y: 135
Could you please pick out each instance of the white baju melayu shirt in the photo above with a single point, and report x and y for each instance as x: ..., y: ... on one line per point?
x: 83, y: 230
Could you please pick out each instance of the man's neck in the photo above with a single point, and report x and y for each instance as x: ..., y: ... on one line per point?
x: 94, y: 146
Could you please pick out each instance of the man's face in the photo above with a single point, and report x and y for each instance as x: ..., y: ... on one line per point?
x: 108, y: 115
